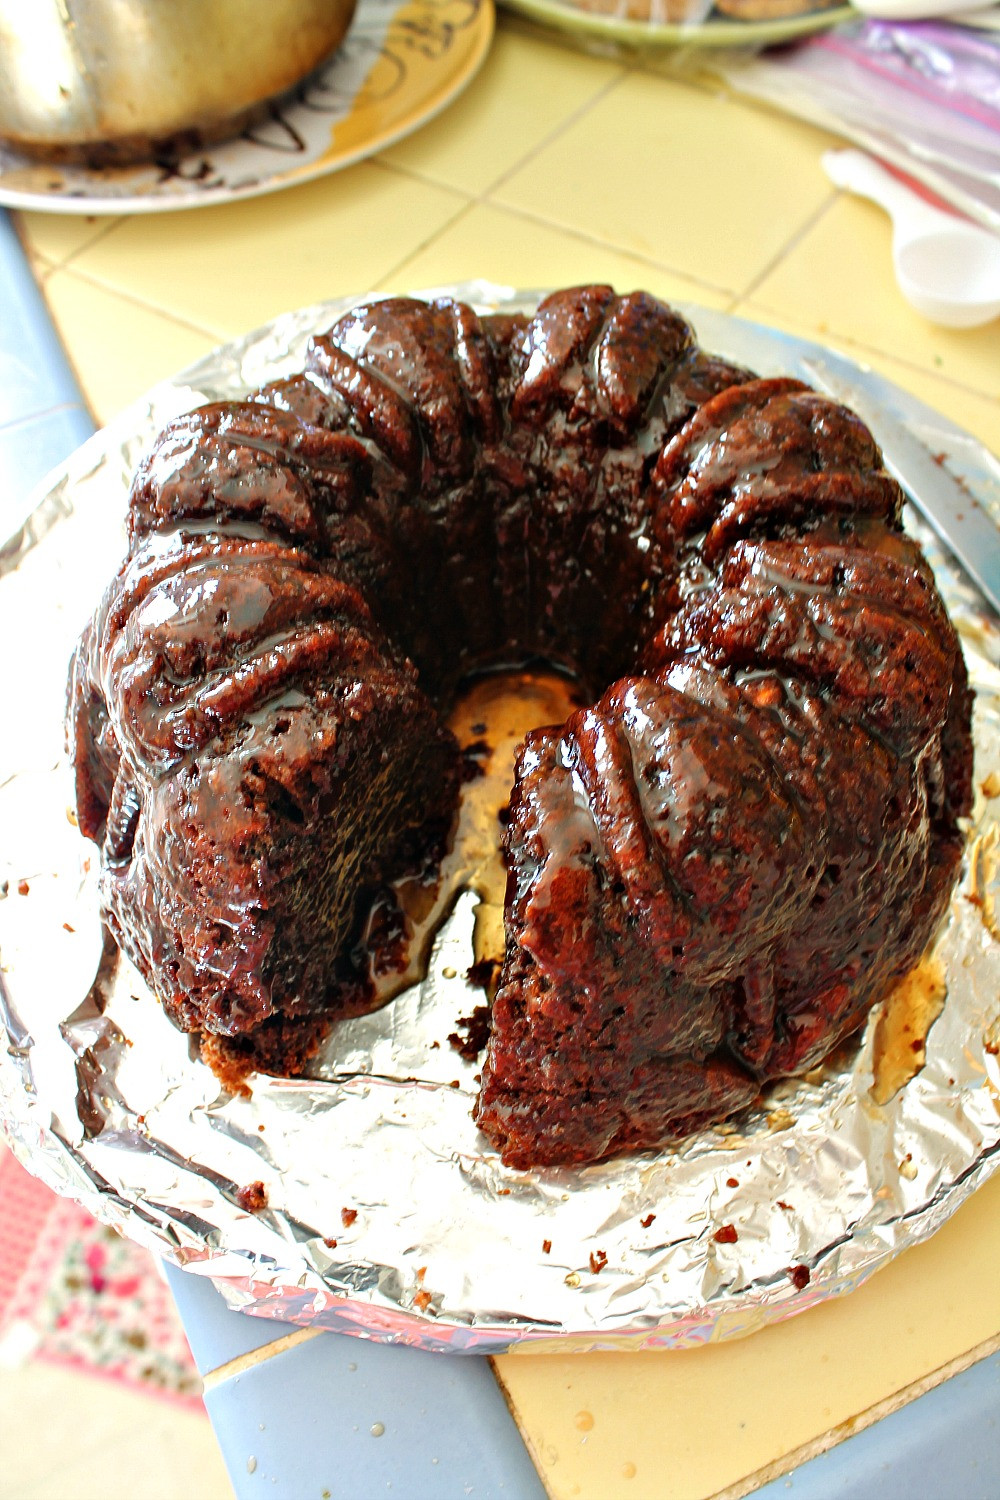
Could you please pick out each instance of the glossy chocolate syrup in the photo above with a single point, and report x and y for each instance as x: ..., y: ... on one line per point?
x: 714, y: 868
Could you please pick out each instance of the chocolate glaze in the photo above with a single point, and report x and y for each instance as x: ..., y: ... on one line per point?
x: 714, y: 870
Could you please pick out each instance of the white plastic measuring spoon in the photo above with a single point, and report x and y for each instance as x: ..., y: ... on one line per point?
x: 915, y: 10
x: 947, y: 268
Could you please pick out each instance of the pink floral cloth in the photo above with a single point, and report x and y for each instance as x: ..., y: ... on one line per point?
x: 73, y: 1291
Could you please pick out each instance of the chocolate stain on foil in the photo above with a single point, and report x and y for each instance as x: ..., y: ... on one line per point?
x: 96, y: 1043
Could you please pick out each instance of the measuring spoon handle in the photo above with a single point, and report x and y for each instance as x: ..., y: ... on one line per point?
x: 859, y: 173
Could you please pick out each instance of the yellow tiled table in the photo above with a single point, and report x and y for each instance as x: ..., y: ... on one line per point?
x: 557, y: 167
x: 554, y: 167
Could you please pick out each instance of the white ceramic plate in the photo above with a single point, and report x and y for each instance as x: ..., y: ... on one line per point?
x: 401, y: 63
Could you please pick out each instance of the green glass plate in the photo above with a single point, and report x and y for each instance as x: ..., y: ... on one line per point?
x: 714, y: 31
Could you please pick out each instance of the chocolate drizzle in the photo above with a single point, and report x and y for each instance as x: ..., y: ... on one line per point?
x: 715, y: 868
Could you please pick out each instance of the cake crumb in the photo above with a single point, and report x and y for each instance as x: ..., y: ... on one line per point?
x: 474, y: 757
x: 476, y: 1029
x: 252, y: 1198
x: 229, y: 1069
x: 786, y: 1206
x: 732, y: 1182
x: 422, y: 1300
x: 348, y: 1216
x: 484, y: 975
x: 645, y: 1223
x: 23, y: 887
x: 598, y: 1260
x: 330, y: 1242
x: 799, y: 1276
x: 726, y: 1235
x: 546, y: 1246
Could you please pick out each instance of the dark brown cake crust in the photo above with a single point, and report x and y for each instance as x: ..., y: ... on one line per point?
x: 713, y: 872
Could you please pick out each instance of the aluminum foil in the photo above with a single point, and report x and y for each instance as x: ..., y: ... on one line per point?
x: 380, y: 1210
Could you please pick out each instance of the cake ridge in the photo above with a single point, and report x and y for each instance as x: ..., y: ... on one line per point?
x: 714, y: 870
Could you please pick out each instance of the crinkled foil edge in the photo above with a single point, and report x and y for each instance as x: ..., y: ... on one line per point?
x: 386, y: 1214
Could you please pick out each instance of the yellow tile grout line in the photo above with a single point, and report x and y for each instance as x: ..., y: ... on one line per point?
x: 115, y: 289
x: 483, y: 195
x: 826, y: 1441
x: 816, y: 1446
x: 533, y: 1453
x: 54, y: 263
x: 572, y: 232
x: 37, y: 260
x: 557, y: 130
x: 98, y: 235
x: 703, y: 82
x: 626, y: 70
x: 859, y: 351
x: 47, y: 266
x: 428, y: 240
x: 796, y: 238
x: 736, y: 300
x: 255, y: 1357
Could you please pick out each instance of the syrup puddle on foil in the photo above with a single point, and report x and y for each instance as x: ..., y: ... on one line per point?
x: 899, y: 1048
x: 490, y: 719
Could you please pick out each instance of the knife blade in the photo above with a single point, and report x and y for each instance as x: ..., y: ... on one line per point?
x: 964, y: 526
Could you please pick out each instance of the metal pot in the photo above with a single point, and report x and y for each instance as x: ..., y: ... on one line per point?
x: 109, y: 80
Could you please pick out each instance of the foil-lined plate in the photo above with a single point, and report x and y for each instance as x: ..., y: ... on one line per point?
x: 363, y: 1198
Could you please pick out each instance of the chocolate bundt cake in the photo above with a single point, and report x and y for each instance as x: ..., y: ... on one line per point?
x: 714, y: 871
